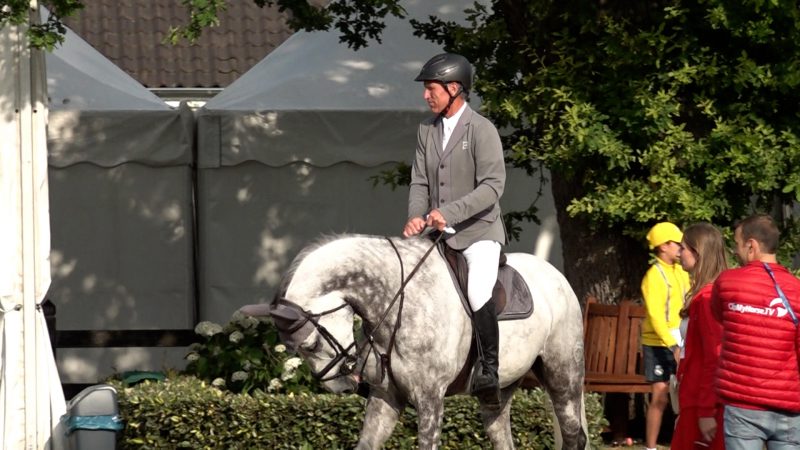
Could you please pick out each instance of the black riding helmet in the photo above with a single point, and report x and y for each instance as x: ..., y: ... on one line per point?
x: 446, y: 68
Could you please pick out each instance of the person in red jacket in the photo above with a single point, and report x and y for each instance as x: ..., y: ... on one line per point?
x: 757, y: 378
x: 702, y: 254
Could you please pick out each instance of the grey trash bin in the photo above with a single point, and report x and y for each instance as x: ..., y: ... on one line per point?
x: 92, y: 419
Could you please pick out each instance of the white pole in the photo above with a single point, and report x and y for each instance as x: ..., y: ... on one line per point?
x: 28, y: 241
x: 43, y: 402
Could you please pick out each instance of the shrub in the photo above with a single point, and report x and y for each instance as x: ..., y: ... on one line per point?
x: 246, y: 354
x: 186, y: 412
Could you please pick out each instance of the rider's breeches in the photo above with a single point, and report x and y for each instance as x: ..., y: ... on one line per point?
x: 482, y: 259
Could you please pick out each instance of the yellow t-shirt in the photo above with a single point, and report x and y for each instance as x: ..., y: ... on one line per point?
x: 663, y: 288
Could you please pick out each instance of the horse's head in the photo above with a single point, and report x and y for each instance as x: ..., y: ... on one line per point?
x: 321, y: 331
x: 311, y: 312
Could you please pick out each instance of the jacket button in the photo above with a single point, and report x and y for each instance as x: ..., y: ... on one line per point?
x: 441, y: 200
x: 442, y: 166
x: 441, y: 183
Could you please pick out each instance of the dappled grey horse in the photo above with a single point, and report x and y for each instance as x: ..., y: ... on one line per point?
x: 417, y: 335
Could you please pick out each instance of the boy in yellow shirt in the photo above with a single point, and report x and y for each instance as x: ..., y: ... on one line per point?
x: 663, y: 288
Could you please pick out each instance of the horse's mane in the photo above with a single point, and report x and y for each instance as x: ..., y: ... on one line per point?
x: 320, y: 242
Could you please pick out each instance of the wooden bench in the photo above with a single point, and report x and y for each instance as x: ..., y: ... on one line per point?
x: 612, y: 347
x: 613, y: 359
x: 613, y: 354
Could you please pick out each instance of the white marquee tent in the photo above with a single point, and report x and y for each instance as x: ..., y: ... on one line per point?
x: 31, y: 400
x: 121, y: 211
x: 285, y: 154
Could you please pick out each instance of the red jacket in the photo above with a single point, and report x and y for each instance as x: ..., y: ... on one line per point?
x: 758, y: 364
x: 701, y: 356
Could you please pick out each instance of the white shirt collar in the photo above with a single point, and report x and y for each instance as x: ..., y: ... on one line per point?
x: 449, y: 123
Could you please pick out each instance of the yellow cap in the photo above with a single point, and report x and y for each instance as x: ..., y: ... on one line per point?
x: 663, y: 232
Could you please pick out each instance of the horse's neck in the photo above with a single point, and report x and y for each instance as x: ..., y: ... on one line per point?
x: 368, y: 271
x: 408, y: 292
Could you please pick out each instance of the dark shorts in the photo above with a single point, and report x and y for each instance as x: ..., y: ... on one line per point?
x: 659, y: 363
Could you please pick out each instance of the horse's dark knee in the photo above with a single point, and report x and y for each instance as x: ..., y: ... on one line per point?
x: 571, y: 428
x: 574, y: 440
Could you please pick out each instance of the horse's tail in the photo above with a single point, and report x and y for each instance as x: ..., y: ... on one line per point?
x: 585, y: 423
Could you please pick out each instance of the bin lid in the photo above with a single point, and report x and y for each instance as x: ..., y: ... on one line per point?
x: 134, y: 377
x: 97, y: 400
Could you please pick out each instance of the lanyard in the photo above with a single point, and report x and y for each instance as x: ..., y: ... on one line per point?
x: 781, y: 294
x: 666, y: 281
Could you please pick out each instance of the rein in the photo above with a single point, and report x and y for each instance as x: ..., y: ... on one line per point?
x: 385, y: 358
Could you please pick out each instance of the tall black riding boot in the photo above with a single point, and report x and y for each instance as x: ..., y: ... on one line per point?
x: 486, y: 385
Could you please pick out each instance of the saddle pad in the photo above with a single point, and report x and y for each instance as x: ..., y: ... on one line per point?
x: 519, y: 303
x: 511, y: 294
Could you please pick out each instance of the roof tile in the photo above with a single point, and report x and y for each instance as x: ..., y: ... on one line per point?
x: 131, y: 33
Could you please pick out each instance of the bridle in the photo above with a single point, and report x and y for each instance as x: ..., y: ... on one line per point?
x: 295, y: 324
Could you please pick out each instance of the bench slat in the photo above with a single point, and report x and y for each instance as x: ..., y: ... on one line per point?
x: 612, y: 349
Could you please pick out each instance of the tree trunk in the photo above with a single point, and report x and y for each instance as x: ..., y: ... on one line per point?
x: 599, y: 262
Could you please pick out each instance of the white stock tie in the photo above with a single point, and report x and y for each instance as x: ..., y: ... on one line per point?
x: 448, y: 130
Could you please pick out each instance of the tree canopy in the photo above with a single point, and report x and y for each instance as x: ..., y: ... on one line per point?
x: 680, y: 110
x: 47, y: 34
x: 683, y: 110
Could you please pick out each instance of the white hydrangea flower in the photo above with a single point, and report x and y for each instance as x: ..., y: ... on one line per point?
x: 248, y: 322
x: 236, y: 336
x: 280, y: 348
x: 218, y: 382
x: 239, y: 375
x: 274, y: 385
x: 237, y: 316
x: 292, y: 363
x: 247, y: 365
x: 191, y: 357
x: 207, y: 329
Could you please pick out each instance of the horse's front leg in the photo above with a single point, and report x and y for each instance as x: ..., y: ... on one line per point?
x: 430, y: 412
x: 497, y: 421
x: 382, y: 412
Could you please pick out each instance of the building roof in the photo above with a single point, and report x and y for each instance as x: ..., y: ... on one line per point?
x: 131, y: 33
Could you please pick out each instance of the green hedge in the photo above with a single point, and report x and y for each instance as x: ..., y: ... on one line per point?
x: 185, y: 412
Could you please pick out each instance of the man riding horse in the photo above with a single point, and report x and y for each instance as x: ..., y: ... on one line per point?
x: 457, y: 179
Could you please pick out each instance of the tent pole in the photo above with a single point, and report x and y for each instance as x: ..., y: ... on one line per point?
x: 28, y: 236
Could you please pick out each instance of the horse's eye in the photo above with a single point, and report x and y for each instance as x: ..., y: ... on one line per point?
x: 313, y: 347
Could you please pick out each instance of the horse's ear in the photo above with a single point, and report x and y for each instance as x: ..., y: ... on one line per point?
x: 287, y: 318
x: 259, y: 309
x: 292, y: 323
